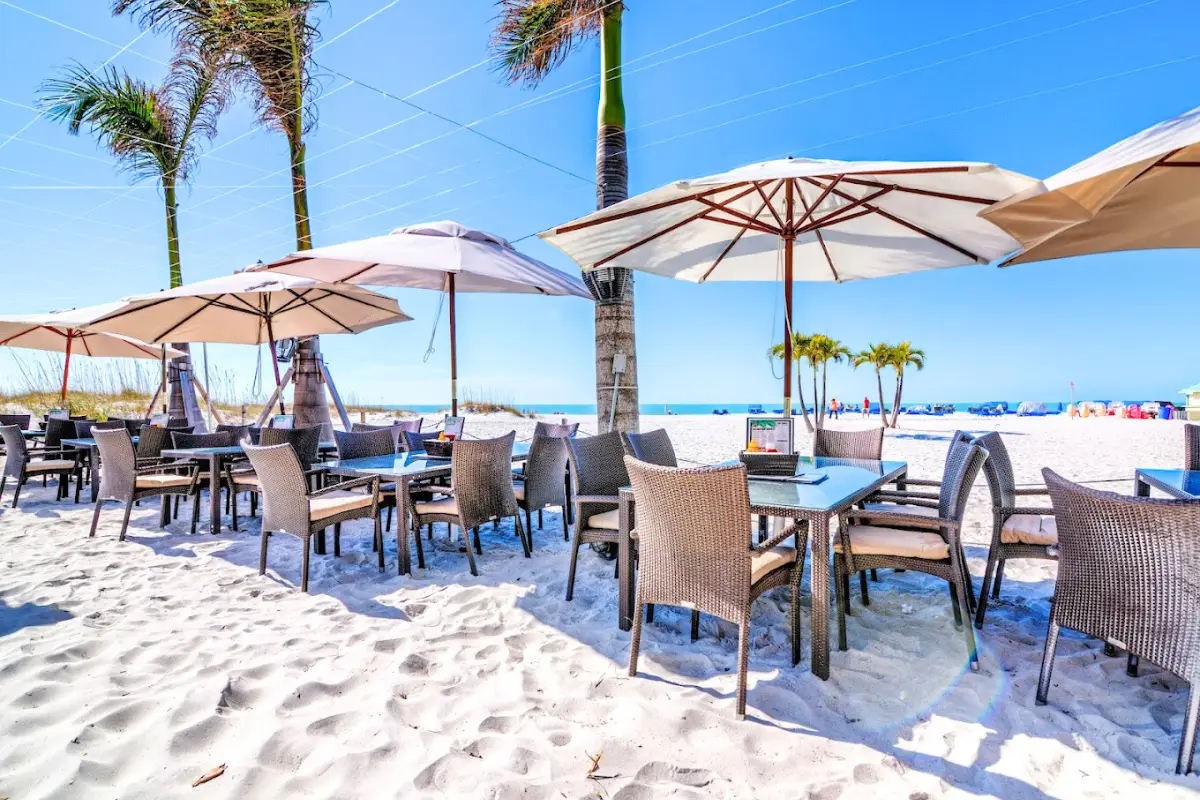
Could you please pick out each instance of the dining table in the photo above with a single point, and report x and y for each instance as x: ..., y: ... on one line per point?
x: 216, y: 456
x: 821, y: 489
x: 1181, y: 484
x: 93, y: 450
x: 404, y: 469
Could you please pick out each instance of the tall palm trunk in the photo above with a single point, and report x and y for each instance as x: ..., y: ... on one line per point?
x: 899, y: 393
x: 824, y: 389
x: 820, y: 418
x: 882, y: 414
x: 614, y: 320
x: 181, y: 394
x: 800, y: 397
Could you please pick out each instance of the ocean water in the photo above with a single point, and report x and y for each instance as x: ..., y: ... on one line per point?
x: 578, y: 409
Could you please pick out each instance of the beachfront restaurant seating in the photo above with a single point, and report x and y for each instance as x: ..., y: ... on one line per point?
x: 124, y: 479
x: 865, y: 444
x: 653, y: 447
x: 23, y: 462
x: 694, y: 551
x: 290, y: 507
x: 1126, y: 575
x: 597, y: 475
x: 543, y: 483
x: 305, y: 442
x: 1191, y: 446
x: 397, y: 430
x: 187, y: 441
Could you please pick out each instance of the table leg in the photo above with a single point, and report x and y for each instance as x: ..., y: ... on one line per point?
x: 403, y: 559
x: 214, y: 493
x: 626, y: 584
x: 1140, y: 487
x: 94, y: 466
x: 818, y: 536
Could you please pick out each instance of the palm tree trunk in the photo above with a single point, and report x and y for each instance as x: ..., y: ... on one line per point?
x: 800, y: 396
x: 882, y: 415
x: 181, y: 394
x: 899, y: 393
x: 824, y: 389
x: 614, y: 321
x: 820, y: 418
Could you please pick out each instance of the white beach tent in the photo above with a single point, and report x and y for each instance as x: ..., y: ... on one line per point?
x: 444, y: 256
x: 801, y: 220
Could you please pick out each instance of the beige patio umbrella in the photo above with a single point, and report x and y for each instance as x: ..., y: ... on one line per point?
x: 62, y: 332
x: 1142, y: 193
x: 801, y: 220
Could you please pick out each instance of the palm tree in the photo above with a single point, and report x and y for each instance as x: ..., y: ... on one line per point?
x: 904, y: 355
x: 878, y: 356
x: 821, y: 350
x: 800, y: 343
x: 532, y: 37
x: 154, y: 132
x: 269, y: 45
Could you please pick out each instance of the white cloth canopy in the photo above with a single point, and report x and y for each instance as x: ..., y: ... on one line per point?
x: 56, y: 330
x: 1142, y: 193
x: 249, y: 308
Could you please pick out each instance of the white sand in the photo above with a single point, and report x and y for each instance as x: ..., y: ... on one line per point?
x: 130, y: 669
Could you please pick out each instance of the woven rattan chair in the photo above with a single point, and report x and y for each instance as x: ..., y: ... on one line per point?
x: 414, y: 441
x: 781, y: 464
x: 152, y: 441
x: 597, y: 475
x: 187, y: 441
x: 543, y: 483
x: 123, y: 479
x: 1191, y: 446
x: 866, y: 444
x: 239, y: 433
x: 134, y: 426
x: 57, y: 430
x: 364, y: 444
x: 878, y: 539
x: 23, y: 462
x: 305, y: 442
x: 22, y: 421
x: 1018, y: 530
x: 654, y: 447
x: 396, y: 430
x: 694, y: 551
x: 482, y: 490
x: 558, y: 431
x: 1127, y: 574
x: 289, y: 507
x: 84, y: 428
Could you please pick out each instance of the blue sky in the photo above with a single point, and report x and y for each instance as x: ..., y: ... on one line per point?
x: 1031, y: 85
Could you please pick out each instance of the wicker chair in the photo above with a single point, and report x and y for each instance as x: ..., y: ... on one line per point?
x: 289, y: 506
x: 653, y: 447
x: 134, y: 426
x: 305, y: 442
x: 84, y: 428
x: 1191, y: 446
x: 57, y: 430
x: 597, y: 475
x: 122, y: 478
x: 414, y: 441
x: 1018, y: 531
x: 396, y: 430
x: 780, y: 464
x: 22, y: 421
x: 865, y: 444
x: 19, y: 464
x: 543, y: 483
x: 364, y: 444
x: 151, y: 442
x: 239, y: 433
x: 879, y: 539
x: 694, y: 551
x: 213, y: 483
x: 1127, y: 574
x: 482, y: 490
x: 558, y: 431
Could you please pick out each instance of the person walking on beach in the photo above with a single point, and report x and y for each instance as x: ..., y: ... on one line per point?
x: 866, y: 407
x: 833, y: 408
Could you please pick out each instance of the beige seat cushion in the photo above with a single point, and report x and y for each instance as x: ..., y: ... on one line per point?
x: 445, y: 505
x: 50, y: 464
x: 162, y: 481
x: 606, y: 520
x: 247, y: 479
x: 1029, y: 529
x: 519, y: 490
x: 761, y: 564
x: 336, y: 503
x: 869, y: 540
x: 900, y: 508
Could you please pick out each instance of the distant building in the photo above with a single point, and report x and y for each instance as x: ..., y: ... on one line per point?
x: 1193, y: 401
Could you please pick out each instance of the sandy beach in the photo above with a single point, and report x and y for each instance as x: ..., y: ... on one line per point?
x: 129, y: 670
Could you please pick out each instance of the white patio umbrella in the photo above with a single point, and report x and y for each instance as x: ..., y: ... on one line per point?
x: 61, y: 332
x: 801, y: 220
x: 1142, y: 193
x: 445, y: 256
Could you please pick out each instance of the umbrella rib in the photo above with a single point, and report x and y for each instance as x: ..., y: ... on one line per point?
x: 653, y: 207
x: 738, y: 223
x: 983, y: 201
x: 821, y: 241
x: 669, y: 228
x: 26, y: 331
x: 753, y: 221
x: 354, y: 275
x: 312, y: 304
x: 767, y: 201
x: 832, y: 217
x: 186, y: 319
x: 83, y: 339
x: 733, y: 242
x: 825, y: 190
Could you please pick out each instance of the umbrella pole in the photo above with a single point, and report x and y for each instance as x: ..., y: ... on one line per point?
x: 67, y: 366
x: 453, y: 349
x: 789, y: 243
x: 163, y: 388
x: 275, y: 364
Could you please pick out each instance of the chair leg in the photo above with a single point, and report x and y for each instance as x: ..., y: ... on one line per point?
x: 470, y: 554
x: 695, y: 625
x: 195, y: 510
x: 743, y: 663
x: 874, y: 576
x: 253, y: 504
x: 529, y: 520
x: 95, y: 518
x: 635, y: 641
x: 958, y: 620
x: 526, y: 535
x: 961, y: 600
x: 379, y: 541
x: 997, y: 579
x: 3, y: 480
x: 78, y: 487
x: 540, y: 524
x: 1047, y: 662
x: 16, y: 492
x: 988, y: 572
x: 571, y: 570
x: 164, y: 510
x: 175, y: 512
x: 231, y: 506
x: 262, y: 553
x: 337, y: 539
x: 417, y: 538
x: 1131, y: 666
x: 478, y: 543
x: 304, y: 566
x: 650, y: 612
x: 125, y: 521
x: 862, y: 588
x: 389, y: 518
x: 1187, y: 747
x: 839, y: 583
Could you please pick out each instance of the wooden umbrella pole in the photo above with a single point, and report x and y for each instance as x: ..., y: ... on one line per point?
x: 275, y: 364
x: 166, y: 392
x: 789, y: 244
x: 67, y: 365
x: 453, y: 349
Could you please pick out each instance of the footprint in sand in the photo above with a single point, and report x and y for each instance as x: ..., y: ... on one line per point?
x: 662, y: 772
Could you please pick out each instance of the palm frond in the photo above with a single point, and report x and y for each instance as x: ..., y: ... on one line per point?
x: 532, y: 37
x: 199, y: 91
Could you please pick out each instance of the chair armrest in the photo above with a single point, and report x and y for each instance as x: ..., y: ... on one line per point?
x: 610, y: 499
x: 70, y: 452
x: 777, y: 539
x: 159, y: 469
x: 920, y: 482
x: 900, y: 497
x: 315, y: 471
x: 900, y: 520
x: 373, y: 480
x: 1032, y: 491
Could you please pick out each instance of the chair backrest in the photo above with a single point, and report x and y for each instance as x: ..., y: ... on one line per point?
x: 559, y: 431
x: 866, y: 444
x: 963, y: 463
x: 134, y: 426
x: 653, y: 447
x: 1191, y: 446
x: 415, y: 440
x: 83, y: 430
x: 285, y: 494
x: 14, y: 446
x: 453, y: 426
x: 546, y: 472
x: 395, y: 430
x: 238, y: 432
x: 998, y: 470
x: 693, y: 536
x: 366, y: 444
x: 481, y: 475
x: 598, y: 464
x: 1127, y: 570
x: 306, y: 442
x: 413, y: 425
x: 770, y: 463
x: 20, y: 420
x: 179, y: 423
x: 57, y: 430
x: 118, y: 463
x: 152, y: 441
x: 185, y: 441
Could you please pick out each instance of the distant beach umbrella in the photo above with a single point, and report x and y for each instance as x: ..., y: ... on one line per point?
x: 1142, y: 193
x: 61, y: 332
x: 801, y: 220
x: 444, y: 256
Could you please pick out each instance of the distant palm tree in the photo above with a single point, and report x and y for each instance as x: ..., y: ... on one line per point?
x: 821, y: 350
x: 878, y: 356
x: 269, y: 45
x: 904, y: 355
x: 800, y: 343
x: 154, y: 132
x: 531, y: 39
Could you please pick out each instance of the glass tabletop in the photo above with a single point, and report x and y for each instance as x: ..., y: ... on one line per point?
x: 228, y: 450
x: 1179, y: 482
x: 844, y: 481
x: 84, y: 443
x: 402, y: 464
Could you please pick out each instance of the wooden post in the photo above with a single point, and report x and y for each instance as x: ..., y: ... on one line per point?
x: 453, y: 349
x: 269, y: 407
x: 212, y: 409
x: 337, y: 398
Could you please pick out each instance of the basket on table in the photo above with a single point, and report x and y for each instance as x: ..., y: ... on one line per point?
x: 439, y: 448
